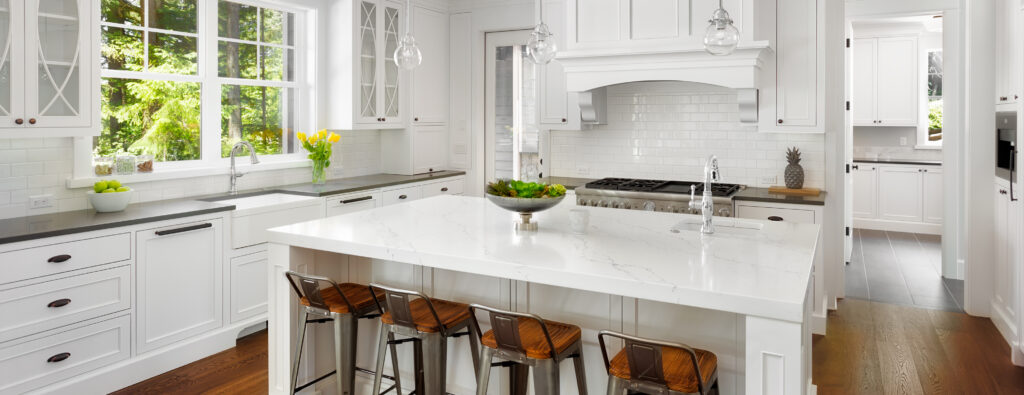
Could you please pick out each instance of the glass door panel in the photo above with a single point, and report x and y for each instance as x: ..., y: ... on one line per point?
x: 513, y: 135
x: 391, y: 88
x: 6, y: 55
x: 368, y: 61
x: 57, y: 82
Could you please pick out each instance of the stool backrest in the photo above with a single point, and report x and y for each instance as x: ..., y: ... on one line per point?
x: 397, y: 302
x: 308, y: 286
x: 645, y: 358
x: 505, y: 326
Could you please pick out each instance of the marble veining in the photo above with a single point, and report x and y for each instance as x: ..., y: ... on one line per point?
x: 630, y: 253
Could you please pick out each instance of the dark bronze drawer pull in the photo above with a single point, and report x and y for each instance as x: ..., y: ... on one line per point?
x: 775, y: 218
x: 445, y: 189
x: 59, y: 357
x: 402, y: 197
x: 184, y: 229
x: 362, y: 199
x: 59, y: 258
x: 59, y: 303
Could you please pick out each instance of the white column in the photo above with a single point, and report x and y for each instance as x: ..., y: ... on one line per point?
x: 775, y: 359
x: 281, y: 315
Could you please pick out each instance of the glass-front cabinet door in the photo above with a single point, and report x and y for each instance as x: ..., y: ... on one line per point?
x: 57, y: 63
x: 379, y: 95
x: 369, y: 57
x: 391, y: 98
x: 12, y: 106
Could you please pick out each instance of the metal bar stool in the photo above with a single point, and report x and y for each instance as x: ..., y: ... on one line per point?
x: 342, y: 304
x: 657, y: 367
x: 428, y: 323
x: 524, y: 341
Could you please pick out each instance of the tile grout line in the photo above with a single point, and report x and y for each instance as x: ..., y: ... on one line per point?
x: 941, y: 278
x: 899, y: 265
x: 863, y: 263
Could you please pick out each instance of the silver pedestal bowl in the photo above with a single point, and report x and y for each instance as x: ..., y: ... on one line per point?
x: 525, y: 207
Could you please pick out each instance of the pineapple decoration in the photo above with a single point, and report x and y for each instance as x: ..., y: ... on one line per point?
x: 794, y: 172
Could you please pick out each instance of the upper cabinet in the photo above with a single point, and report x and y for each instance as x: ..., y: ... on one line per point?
x: 558, y: 109
x: 49, y: 73
x: 885, y: 81
x: 793, y: 89
x: 1008, y: 53
x: 361, y: 40
x: 430, y: 80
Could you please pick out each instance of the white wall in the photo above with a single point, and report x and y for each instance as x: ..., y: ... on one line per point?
x: 665, y: 130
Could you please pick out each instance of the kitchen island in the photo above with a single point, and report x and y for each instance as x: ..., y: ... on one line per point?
x: 742, y: 293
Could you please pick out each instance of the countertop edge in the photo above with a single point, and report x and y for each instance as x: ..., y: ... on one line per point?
x: 900, y: 162
x: 778, y: 200
x: 116, y: 224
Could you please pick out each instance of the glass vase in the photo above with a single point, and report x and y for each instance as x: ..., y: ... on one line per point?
x: 319, y: 172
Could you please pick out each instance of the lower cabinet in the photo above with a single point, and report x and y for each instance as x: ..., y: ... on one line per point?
x: 901, y: 193
x: 865, y: 191
x: 248, y: 286
x: 902, y: 198
x: 179, y: 282
x: 1005, y: 309
x: 352, y: 202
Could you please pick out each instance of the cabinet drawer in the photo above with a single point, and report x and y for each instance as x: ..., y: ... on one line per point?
x: 401, y: 195
x: 352, y: 202
x: 37, y: 363
x: 58, y: 258
x: 448, y: 187
x: 248, y: 286
x: 787, y: 214
x: 52, y: 304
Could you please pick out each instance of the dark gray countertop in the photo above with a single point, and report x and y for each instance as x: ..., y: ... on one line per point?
x: 58, y: 224
x: 568, y: 182
x: 64, y: 223
x: 762, y: 195
x: 900, y: 162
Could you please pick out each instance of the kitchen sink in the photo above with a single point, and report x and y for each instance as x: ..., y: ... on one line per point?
x: 253, y: 202
x: 256, y: 212
x: 722, y: 226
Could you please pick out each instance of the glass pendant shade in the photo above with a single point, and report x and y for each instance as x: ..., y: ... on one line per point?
x: 408, y: 55
x: 721, y: 36
x: 542, y: 47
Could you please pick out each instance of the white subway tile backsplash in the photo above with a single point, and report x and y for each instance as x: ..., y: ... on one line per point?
x: 665, y: 130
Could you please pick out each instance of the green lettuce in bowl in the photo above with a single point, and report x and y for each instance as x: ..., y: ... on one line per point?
x: 525, y: 190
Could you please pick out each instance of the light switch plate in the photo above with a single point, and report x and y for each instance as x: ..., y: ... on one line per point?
x: 582, y: 170
x: 40, y: 201
x: 903, y: 141
x: 769, y: 180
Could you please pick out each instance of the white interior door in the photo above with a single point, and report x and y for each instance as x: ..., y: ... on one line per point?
x: 512, y: 138
x: 848, y: 149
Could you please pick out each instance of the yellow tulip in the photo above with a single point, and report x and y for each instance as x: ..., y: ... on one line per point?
x: 301, y: 136
x: 322, y: 134
x: 334, y: 138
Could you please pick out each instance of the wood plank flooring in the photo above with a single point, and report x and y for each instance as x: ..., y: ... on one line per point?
x: 871, y: 348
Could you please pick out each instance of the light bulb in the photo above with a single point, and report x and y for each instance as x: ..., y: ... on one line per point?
x: 408, y: 55
x: 721, y: 36
x: 542, y: 47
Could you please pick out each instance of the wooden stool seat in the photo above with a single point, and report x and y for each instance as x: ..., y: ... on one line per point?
x: 678, y: 366
x: 358, y: 295
x: 451, y: 314
x: 562, y: 335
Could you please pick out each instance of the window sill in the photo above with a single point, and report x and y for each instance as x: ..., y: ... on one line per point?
x: 929, y: 147
x: 175, y: 174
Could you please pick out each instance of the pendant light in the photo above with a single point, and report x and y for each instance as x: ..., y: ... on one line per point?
x: 721, y: 37
x: 408, y: 55
x: 542, y: 47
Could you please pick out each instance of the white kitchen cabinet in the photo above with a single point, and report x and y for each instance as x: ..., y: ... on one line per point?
x: 365, y: 82
x: 248, y: 286
x: 430, y: 80
x: 450, y: 186
x: 797, y: 62
x: 416, y: 150
x: 402, y: 195
x: 932, y: 196
x: 1005, y: 295
x: 865, y: 191
x: 625, y: 24
x: 558, y: 109
x: 51, y: 63
x: 352, y: 202
x: 900, y: 189
x: 65, y: 256
x: 885, y: 81
x: 1008, y: 51
x: 178, y: 282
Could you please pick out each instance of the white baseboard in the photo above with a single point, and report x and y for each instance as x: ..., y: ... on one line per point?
x: 1007, y: 328
x: 897, y: 226
x: 818, y: 324
x: 141, y: 367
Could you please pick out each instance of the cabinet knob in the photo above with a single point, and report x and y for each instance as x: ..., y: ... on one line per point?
x: 383, y: 119
x: 59, y: 303
x: 1002, y: 98
x: 32, y: 121
x: 403, y: 197
x: 59, y: 258
x: 445, y: 189
x: 59, y: 357
x: 856, y: 167
x: 776, y: 218
x: 780, y: 122
x: 19, y: 121
x: 564, y: 120
x: 417, y: 119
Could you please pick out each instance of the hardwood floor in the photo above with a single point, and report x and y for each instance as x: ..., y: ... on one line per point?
x: 871, y: 348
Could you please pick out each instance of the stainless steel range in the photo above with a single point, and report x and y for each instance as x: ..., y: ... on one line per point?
x: 654, y: 195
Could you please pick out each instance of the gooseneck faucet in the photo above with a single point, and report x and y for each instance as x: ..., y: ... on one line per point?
x: 707, y: 203
x: 234, y: 173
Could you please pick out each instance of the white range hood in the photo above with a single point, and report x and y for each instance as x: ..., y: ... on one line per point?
x: 587, y: 71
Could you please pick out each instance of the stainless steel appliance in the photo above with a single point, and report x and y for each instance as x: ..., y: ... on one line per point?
x: 1006, y: 143
x: 654, y: 195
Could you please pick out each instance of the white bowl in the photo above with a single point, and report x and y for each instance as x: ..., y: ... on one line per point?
x: 109, y: 202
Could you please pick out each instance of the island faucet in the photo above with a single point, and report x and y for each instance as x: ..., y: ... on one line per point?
x: 234, y: 173
x: 706, y: 204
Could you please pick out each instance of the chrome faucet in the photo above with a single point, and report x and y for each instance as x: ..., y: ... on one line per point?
x: 707, y: 203
x: 235, y: 174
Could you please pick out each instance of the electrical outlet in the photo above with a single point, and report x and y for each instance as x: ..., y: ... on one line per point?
x: 903, y: 141
x: 582, y: 170
x: 40, y: 201
x: 769, y: 180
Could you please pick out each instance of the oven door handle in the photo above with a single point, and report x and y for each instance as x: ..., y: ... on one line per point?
x: 1013, y: 166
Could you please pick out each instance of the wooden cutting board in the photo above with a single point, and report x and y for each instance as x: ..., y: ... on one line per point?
x: 795, y: 192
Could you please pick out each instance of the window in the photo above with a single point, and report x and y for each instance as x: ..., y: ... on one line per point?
x: 184, y: 80
x: 934, y: 131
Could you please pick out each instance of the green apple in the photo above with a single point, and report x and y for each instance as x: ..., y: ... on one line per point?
x: 113, y: 184
x: 109, y: 190
x: 99, y: 186
x: 123, y: 189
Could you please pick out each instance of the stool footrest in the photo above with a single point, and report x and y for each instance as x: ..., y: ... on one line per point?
x: 400, y: 341
x: 504, y: 364
x: 460, y: 334
x: 304, y: 386
x: 319, y: 320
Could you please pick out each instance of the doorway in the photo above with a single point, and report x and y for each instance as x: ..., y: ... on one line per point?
x: 898, y: 207
x: 512, y: 133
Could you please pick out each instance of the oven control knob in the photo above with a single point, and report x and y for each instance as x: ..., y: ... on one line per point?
x: 602, y: 203
x: 648, y: 206
x: 670, y: 209
x: 725, y: 212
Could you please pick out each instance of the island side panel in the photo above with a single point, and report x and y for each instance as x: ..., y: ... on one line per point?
x: 282, y: 320
x: 778, y: 354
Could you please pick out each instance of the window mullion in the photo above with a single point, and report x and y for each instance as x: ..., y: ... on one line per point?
x: 210, y: 103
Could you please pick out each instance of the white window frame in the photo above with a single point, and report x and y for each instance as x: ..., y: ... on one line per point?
x: 211, y: 163
x: 922, y: 130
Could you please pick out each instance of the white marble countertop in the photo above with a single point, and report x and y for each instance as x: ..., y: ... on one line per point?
x: 629, y: 253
